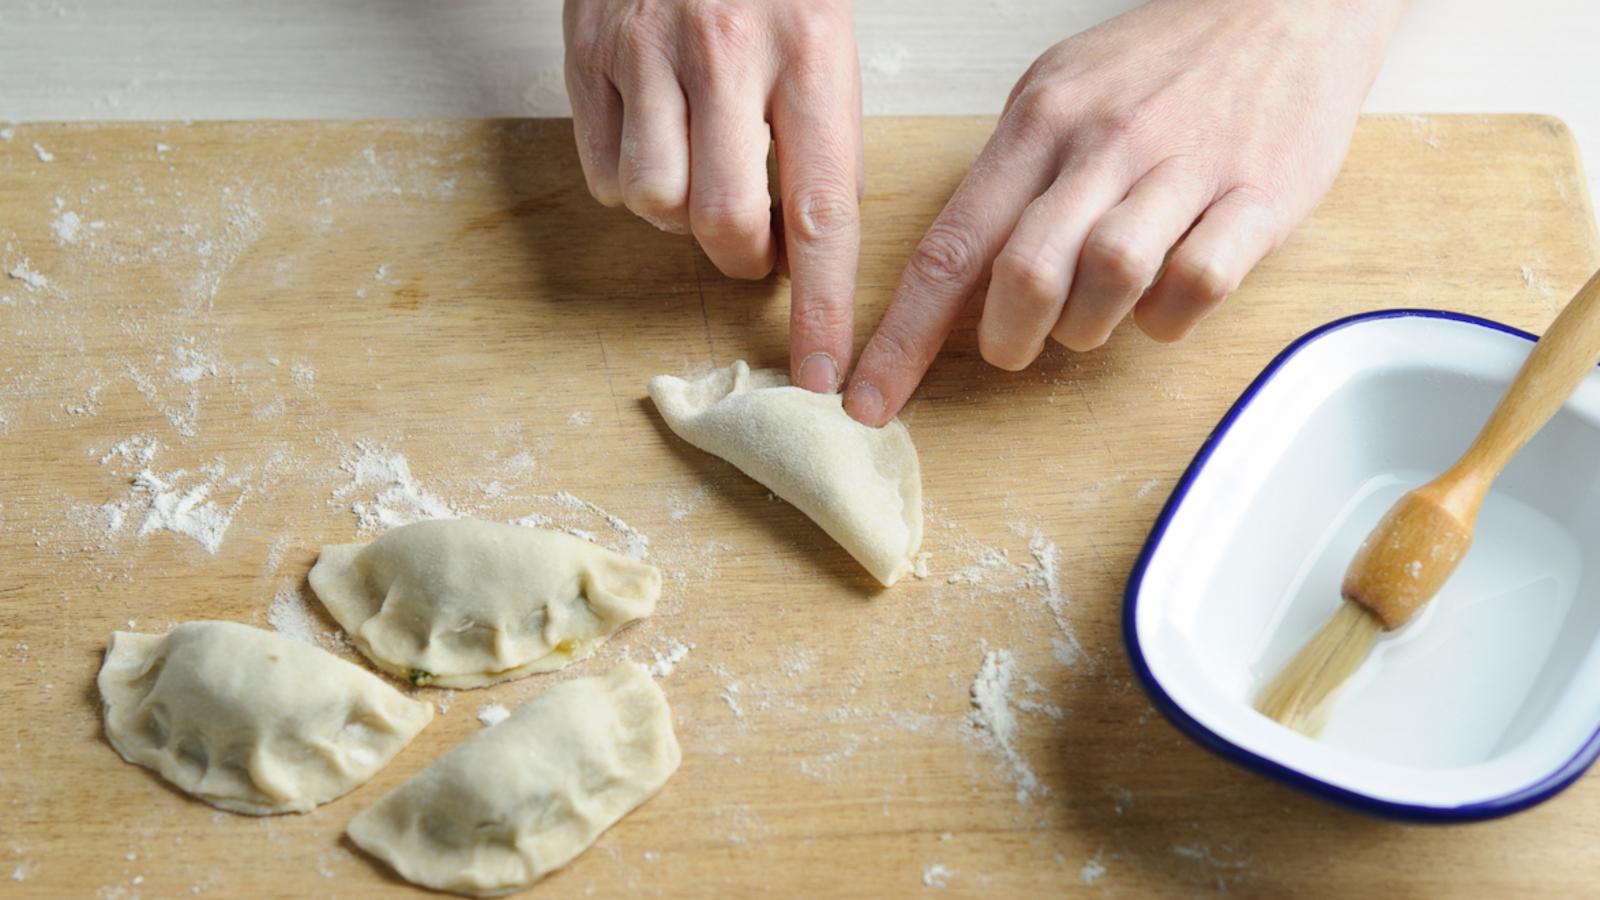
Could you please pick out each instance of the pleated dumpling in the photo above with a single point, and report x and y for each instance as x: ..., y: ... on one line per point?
x: 521, y: 799
x: 861, y: 484
x: 249, y: 720
x: 461, y: 603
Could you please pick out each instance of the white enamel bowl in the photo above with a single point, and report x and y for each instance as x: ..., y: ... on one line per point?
x: 1486, y: 704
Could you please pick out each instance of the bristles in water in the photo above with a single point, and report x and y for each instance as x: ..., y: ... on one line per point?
x: 1299, y: 696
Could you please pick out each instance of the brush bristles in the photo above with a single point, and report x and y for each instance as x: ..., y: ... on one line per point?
x: 1298, y: 697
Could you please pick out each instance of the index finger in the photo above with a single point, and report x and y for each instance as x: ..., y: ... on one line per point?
x: 816, y: 123
x: 944, y: 270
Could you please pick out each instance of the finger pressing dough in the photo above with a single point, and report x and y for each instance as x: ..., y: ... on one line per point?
x: 521, y: 799
x: 461, y: 603
x: 249, y: 720
x: 861, y: 484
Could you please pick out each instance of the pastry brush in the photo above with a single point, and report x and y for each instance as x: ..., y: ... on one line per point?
x: 1408, y: 557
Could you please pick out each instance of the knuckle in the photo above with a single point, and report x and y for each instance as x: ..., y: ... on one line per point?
x: 947, y: 253
x: 1040, y: 108
x: 894, y: 350
x: 820, y: 317
x: 1031, y: 283
x: 1265, y: 204
x: 1123, y: 122
x: 1203, y: 280
x: 719, y: 28
x: 824, y: 212
x: 812, y: 31
x: 642, y: 28
x: 723, y: 218
x: 1119, y: 260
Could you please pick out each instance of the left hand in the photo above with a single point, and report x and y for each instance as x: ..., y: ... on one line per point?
x: 1146, y: 164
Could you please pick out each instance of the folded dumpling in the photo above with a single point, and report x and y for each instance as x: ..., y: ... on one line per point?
x: 461, y: 603
x: 861, y: 484
x: 250, y: 720
x: 521, y: 799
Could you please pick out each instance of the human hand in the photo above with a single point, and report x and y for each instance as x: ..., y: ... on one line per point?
x: 671, y: 101
x: 1146, y: 164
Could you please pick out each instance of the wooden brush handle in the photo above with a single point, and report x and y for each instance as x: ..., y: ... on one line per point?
x: 1406, y: 560
x: 1561, y: 359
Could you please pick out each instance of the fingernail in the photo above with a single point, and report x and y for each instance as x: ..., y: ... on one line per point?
x: 819, y: 373
x: 663, y: 224
x: 864, y: 403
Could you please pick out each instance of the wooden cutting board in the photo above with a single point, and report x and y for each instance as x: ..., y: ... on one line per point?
x: 270, y: 334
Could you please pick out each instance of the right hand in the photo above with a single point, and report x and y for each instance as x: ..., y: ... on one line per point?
x: 671, y: 101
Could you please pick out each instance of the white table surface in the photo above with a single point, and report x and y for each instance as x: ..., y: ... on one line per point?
x: 225, y: 59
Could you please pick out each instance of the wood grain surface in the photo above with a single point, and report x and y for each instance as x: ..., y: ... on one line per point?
x: 255, y: 325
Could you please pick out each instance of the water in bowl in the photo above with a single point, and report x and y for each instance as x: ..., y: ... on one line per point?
x: 1471, y: 676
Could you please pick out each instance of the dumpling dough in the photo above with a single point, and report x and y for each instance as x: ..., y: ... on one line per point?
x: 248, y: 720
x: 461, y: 603
x: 521, y: 799
x: 861, y: 484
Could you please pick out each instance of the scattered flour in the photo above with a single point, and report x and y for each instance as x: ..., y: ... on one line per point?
x: 1049, y: 709
x: 188, y: 511
x: 24, y: 272
x: 6, y: 134
x: 581, y: 419
x: 523, y: 461
x: 193, y: 365
x: 677, y: 651
x: 1203, y: 854
x: 1530, y: 279
x: 1146, y: 488
x: 1045, y: 571
x: 729, y: 697
x: 635, y: 543
x: 139, y: 449
x: 289, y: 614
x: 90, y: 405
x: 534, y: 520
x: 399, y: 499
x: 1093, y: 869
x: 305, y: 377
x: 994, y: 722
x: 197, y: 505
x: 66, y: 225
x: 274, y: 559
x: 326, y: 862
x: 1121, y: 798
x: 43, y: 154
x: 936, y: 876
x: 492, y: 714
x: 682, y: 505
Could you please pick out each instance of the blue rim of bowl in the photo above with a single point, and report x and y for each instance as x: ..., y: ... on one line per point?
x: 1535, y: 793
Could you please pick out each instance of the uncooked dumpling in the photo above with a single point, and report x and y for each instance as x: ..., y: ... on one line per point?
x: 861, y: 484
x: 461, y: 603
x: 521, y: 799
x: 249, y: 720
